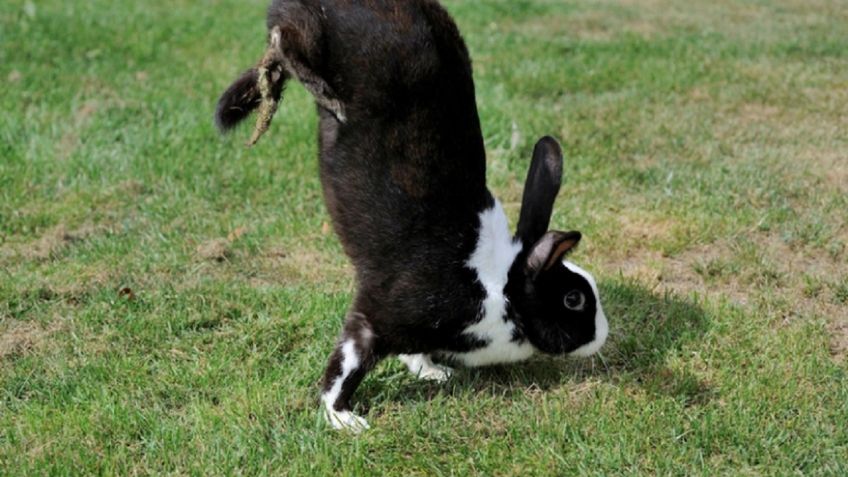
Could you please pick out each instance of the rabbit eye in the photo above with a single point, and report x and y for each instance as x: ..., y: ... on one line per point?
x: 574, y: 300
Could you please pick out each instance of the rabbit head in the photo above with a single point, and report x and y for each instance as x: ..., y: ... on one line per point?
x: 555, y: 302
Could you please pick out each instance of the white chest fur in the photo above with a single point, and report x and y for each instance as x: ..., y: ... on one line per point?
x: 491, y: 260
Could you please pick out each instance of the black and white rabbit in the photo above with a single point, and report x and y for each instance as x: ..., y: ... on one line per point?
x: 403, y: 170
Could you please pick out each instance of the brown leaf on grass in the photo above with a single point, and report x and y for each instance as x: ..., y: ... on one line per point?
x: 325, y: 228
x: 127, y: 293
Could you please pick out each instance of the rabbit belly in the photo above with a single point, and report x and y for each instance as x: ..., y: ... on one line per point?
x: 501, y: 349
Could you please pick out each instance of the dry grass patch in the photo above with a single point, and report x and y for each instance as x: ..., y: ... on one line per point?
x: 217, y: 249
x: 592, y: 25
x: 79, y: 121
x: 279, y: 264
x: 829, y: 165
x: 631, y: 246
x: 676, y: 273
x: 18, y: 338
x: 606, y: 20
x: 839, y: 337
x: 734, y: 19
x: 746, y: 271
x: 55, y: 240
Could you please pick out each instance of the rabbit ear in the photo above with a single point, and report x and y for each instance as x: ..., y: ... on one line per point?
x: 540, y: 190
x: 550, y: 249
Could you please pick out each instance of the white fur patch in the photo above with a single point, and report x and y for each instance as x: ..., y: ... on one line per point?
x: 601, y: 325
x: 424, y: 368
x: 343, y: 419
x: 492, y: 259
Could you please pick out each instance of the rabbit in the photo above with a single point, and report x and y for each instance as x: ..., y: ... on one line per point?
x: 440, y: 277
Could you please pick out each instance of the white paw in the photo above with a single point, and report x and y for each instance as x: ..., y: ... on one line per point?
x: 346, y: 420
x: 422, y: 366
x: 436, y: 373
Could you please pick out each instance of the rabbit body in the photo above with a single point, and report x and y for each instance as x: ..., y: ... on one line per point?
x: 403, y: 166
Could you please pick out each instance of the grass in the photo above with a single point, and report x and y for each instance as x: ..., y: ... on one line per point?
x: 168, y: 298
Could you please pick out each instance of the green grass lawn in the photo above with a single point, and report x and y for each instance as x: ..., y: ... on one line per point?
x: 168, y: 298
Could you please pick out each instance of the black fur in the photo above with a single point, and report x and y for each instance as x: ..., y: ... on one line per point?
x: 238, y: 101
x: 403, y: 170
x: 540, y: 191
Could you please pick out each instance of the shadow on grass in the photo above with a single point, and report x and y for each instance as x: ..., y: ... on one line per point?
x: 645, y: 328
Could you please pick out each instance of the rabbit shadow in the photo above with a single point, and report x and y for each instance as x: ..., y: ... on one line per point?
x: 646, y: 327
